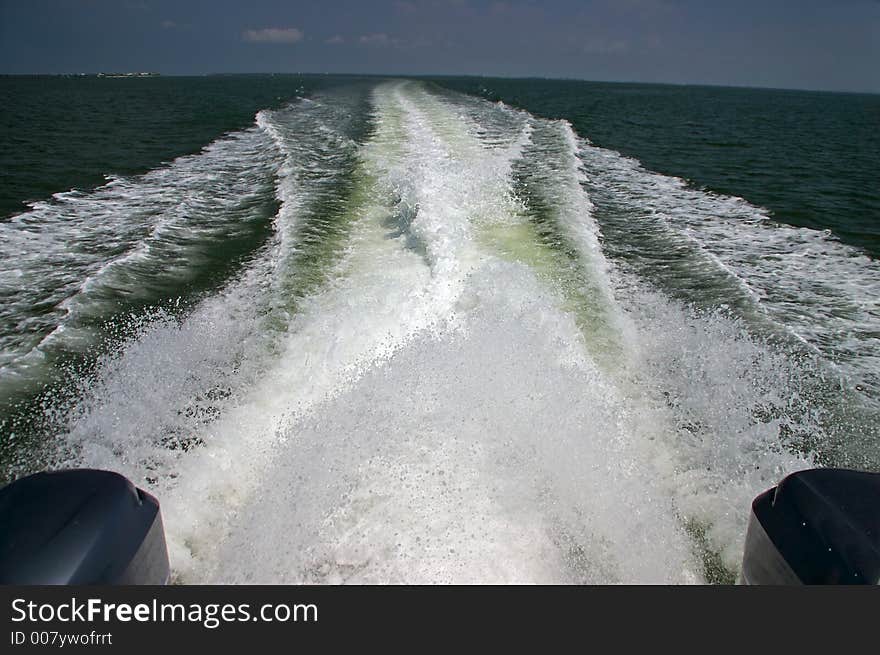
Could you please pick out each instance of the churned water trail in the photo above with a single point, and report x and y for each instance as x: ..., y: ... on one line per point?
x: 467, y: 346
x: 71, y: 261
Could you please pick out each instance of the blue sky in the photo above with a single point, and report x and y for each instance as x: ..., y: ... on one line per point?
x: 810, y: 44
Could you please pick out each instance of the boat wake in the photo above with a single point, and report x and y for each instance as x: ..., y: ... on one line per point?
x: 448, y: 361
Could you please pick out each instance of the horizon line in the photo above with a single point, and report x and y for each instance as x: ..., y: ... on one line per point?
x: 134, y: 74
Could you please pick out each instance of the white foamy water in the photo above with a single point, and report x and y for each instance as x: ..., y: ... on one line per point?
x: 471, y: 392
x: 822, y: 291
x: 74, y: 259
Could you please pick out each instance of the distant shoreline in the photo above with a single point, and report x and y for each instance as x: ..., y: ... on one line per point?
x: 122, y: 75
x: 433, y: 76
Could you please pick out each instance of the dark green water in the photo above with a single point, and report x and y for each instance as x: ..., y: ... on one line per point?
x: 812, y: 158
x: 60, y: 133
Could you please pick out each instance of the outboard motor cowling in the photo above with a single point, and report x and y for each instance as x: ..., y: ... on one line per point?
x: 80, y: 526
x: 820, y: 526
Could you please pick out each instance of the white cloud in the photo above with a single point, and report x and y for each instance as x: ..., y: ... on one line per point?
x: 168, y: 25
x: 335, y: 40
x: 273, y: 35
x: 375, y: 39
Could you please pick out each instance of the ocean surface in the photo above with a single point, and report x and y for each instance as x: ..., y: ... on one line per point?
x: 442, y: 330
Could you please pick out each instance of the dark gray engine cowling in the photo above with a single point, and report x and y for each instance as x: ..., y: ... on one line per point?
x: 820, y: 526
x: 80, y: 526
